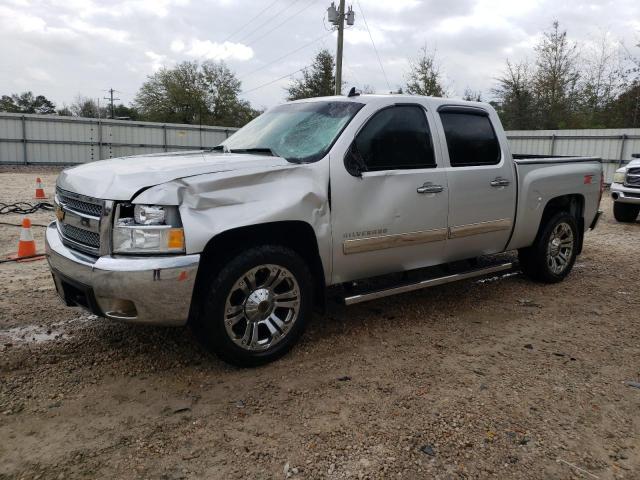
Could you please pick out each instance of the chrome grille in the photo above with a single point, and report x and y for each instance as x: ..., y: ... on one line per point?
x: 74, y: 203
x: 79, y: 221
x: 633, y: 178
x: 85, y: 237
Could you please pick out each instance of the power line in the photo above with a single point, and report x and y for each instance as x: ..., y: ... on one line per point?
x: 269, y: 20
x: 321, y: 37
x: 274, y: 81
x: 374, y: 45
x: 252, y: 19
x: 281, y: 23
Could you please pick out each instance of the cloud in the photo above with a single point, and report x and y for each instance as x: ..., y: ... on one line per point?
x: 157, y: 60
x: 177, y: 46
x: 219, y: 51
x: 60, y: 48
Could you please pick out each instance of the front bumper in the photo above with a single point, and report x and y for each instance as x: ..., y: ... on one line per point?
x: 623, y: 194
x: 151, y: 290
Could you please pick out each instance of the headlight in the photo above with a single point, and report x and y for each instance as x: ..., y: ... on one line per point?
x: 149, y: 214
x: 148, y: 229
x: 618, y: 177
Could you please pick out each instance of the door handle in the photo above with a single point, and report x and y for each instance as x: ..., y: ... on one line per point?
x: 430, y: 188
x: 500, y: 182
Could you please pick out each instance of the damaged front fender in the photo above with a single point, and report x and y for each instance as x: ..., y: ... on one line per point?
x: 211, y: 204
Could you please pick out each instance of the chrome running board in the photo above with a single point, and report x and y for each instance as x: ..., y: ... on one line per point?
x: 431, y: 282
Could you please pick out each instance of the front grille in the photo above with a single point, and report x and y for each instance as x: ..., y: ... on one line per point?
x: 72, y: 202
x: 85, y: 237
x: 633, y: 178
x: 79, y: 222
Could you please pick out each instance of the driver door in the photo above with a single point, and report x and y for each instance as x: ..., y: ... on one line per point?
x: 389, y: 214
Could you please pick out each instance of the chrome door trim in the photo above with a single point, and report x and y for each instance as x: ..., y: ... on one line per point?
x: 480, y: 228
x: 382, y: 242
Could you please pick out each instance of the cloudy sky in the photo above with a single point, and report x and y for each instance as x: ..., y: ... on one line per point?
x: 62, y: 48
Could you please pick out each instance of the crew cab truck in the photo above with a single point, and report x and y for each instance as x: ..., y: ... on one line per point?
x: 241, y: 242
x: 625, y: 191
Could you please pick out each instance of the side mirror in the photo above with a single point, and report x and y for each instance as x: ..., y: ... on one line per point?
x: 353, y: 161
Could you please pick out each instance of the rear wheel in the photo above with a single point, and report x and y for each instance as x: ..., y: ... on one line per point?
x: 625, y: 212
x: 551, y: 257
x: 256, y: 306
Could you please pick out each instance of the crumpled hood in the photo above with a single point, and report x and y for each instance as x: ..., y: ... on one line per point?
x: 121, y: 178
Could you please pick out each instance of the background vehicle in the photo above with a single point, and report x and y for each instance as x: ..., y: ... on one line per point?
x: 340, y: 191
x: 625, y: 191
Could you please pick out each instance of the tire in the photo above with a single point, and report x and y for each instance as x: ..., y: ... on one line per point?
x: 551, y: 257
x: 241, y: 318
x: 625, y: 212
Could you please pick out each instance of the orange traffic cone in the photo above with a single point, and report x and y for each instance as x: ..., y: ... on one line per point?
x: 40, y: 195
x: 26, y: 245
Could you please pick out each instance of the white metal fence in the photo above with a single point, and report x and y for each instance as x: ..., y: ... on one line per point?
x: 47, y: 139
x: 613, y: 145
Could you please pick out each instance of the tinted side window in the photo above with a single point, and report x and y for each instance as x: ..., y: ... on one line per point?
x: 470, y: 139
x: 396, y: 138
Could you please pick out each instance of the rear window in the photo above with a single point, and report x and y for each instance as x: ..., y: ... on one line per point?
x: 471, y: 139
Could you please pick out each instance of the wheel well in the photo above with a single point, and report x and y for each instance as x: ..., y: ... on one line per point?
x: 297, y: 235
x: 572, y: 204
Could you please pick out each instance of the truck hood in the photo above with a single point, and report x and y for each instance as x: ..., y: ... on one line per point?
x: 121, y: 178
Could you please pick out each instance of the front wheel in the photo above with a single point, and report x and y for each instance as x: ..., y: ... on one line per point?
x: 625, y: 212
x: 551, y: 257
x: 256, y: 306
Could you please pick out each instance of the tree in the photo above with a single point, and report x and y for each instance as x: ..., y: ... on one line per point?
x: 317, y: 81
x: 601, y: 82
x: 556, y: 79
x: 368, y: 89
x: 424, y: 77
x: 26, y: 102
x: 65, y: 111
x: 472, y: 95
x: 122, y: 112
x: 624, y: 111
x: 515, y: 99
x: 191, y: 93
x: 87, y: 108
x: 222, y: 96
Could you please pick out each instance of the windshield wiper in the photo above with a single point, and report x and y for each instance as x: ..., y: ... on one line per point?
x: 266, y: 150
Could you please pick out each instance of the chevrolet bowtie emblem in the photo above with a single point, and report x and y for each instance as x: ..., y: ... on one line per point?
x: 59, y: 213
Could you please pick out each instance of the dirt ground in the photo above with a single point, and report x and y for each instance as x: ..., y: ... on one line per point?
x: 497, y: 379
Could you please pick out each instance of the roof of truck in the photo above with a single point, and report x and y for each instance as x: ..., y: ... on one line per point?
x: 394, y: 98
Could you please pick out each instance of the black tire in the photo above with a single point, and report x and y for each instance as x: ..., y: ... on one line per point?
x: 222, y: 285
x: 625, y: 212
x: 539, y: 263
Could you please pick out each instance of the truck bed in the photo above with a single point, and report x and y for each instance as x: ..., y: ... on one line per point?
x: 541, y: 179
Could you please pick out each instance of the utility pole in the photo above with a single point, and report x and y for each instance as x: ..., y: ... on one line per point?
x: 111, y: 99
x: 337, y: 18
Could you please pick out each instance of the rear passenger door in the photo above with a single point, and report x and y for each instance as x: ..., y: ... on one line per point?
x: 389, y: 195
x: 482, y: 184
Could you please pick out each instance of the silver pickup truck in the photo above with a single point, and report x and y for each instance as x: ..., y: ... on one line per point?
x: 372, y: 195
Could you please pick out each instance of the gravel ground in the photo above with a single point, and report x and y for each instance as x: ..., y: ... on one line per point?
x: 496, y: 379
